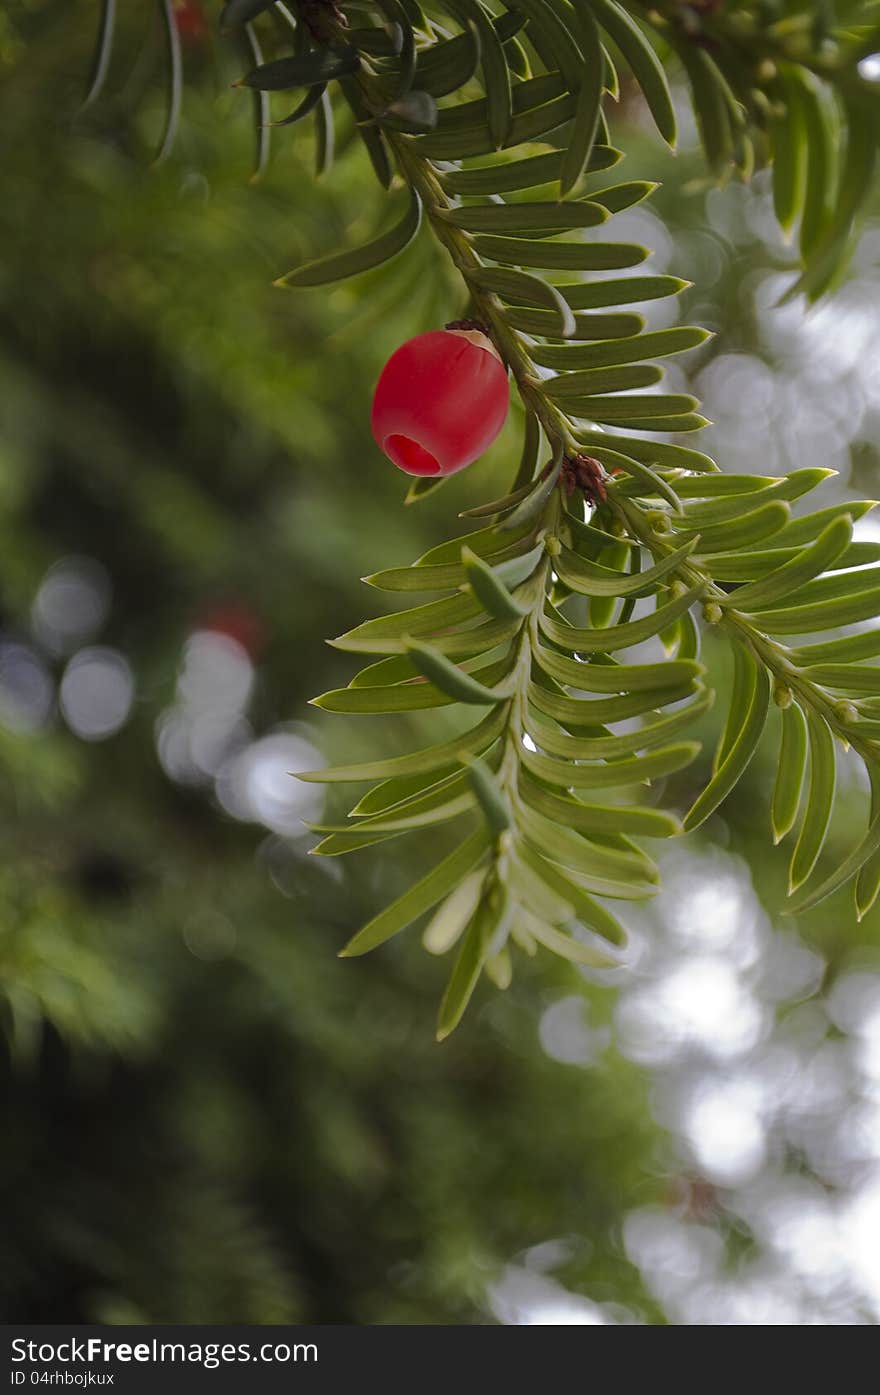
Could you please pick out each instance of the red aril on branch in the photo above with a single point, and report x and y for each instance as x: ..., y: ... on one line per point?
x: 441, y: 400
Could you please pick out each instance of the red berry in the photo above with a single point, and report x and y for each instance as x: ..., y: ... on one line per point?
x: 192, y: 22
x: 239, y: 622
x: 441, y: 400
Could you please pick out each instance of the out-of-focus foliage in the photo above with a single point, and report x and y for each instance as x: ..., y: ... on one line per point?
x: 206, y: 1115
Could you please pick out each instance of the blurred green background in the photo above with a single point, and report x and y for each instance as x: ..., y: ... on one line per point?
x: 208, y: 1117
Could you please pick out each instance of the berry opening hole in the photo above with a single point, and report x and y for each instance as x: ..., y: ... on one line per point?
x: 411, y: 456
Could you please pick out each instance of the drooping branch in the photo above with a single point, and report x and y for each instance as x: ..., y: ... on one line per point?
x: 608, y: 537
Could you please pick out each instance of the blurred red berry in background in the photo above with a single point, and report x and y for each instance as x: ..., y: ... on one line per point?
x: 441, y: 400
x: 237, y: 621
x: 192, y: 22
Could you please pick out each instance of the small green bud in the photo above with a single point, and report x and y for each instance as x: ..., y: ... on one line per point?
x: 846, y: 712
x: 496, y: 894
x: 782, y: 695
x: 553, y: 545
x: 712, y: 612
